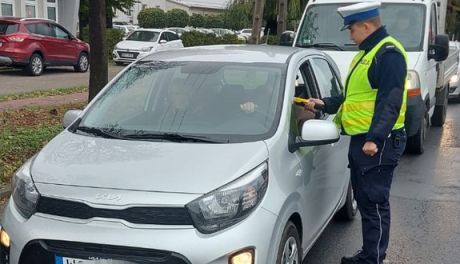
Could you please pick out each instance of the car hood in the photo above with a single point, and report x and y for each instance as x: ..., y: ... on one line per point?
x: 344, y: 58
x: 198, y: 168
x: 135, y: 45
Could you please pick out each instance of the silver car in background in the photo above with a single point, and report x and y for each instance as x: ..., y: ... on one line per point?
x: 198, y: 155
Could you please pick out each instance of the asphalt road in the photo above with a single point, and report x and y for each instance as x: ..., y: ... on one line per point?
x: 14, y: 81
x: 425, y: 201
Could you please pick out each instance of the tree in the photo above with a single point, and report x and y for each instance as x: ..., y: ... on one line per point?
x: 214, y: 21
x: 152, y: 18
x: 177, y: 18
x: 294, y: 13
x: 257, y: 21
x: 282, y: 16
x: 197, y: 20
x: 238, y: 15
x: 98, y: 76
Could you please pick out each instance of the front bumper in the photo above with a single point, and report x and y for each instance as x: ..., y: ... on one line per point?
x: 5, y: 61
x: 454, y: 92
x: 414, y: 115
x: 124, y: 56
x: 34, y: 237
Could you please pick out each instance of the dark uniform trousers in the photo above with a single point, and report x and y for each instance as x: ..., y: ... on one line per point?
x: 371, y: 179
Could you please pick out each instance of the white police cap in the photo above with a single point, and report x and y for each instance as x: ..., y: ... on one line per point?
x: 358, y: 12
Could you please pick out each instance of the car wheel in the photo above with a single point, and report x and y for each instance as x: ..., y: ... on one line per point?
x: 35, y: 66
x: 440, y: 112
x: 415, y: 143
x: 350, y: 208
x: 83, y: 63
x: 289, y: 251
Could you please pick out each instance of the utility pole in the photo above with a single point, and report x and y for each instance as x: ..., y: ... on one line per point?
x: 282, y: 16
x: 257, y: 21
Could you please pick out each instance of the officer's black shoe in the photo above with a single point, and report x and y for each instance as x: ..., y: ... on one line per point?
x: 355, y: 259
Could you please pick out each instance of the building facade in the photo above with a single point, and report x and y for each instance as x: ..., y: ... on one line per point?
x: 65, y: 12
x: 202, y: 7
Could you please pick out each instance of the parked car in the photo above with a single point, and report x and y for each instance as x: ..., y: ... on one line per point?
x: 126, y: 29
x: 178, y: 30
x: 247, y: 33
x: 165, y: 165
x: 144, y: 41
x: 33, y: 44
x: 223, y: 31
x: 454, y: 89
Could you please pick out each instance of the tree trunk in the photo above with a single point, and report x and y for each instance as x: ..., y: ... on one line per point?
x: 98, y: 76
x: 282, y: 15
x: 257, y: 21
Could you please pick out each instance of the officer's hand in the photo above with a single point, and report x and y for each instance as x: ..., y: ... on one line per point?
x: 312, y: 102
x: 370, y: 148
x: 248, y: 107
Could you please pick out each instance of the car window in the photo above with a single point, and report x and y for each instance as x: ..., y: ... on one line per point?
x: 163, y: 36
x: 326, y: 80
x: 6, y: 28
x: 39, y: 29
x: 172, y: 36
x: 60, y: 33
x: 145, y: 36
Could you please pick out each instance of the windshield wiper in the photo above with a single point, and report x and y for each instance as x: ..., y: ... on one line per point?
x: 173, y: 137
x: 101, y: 132
x: 324, y: 45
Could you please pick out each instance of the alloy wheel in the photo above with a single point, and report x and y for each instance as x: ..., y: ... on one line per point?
x: 290, y: 252
x: 37, y: 65
x: 84, y: 63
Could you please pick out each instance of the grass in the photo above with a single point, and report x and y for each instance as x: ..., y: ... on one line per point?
x: 25, y: 131
x: 43, y: 93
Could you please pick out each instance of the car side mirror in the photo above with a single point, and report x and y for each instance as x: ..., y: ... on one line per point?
x: 317, y: 132
x: 70, y: 116
x: 163, y: 41
x: 287, y: 38
x: 440, y: 49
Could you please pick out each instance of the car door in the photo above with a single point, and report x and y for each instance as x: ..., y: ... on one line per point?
x: 65, y: 49
x: 162, y: 45
x: 41, y: 33
x: 335, y: 168
x: 314, y: 198
x: 174, y: 41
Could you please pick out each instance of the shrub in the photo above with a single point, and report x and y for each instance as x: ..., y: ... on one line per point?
x: 195, y: 38
x: 152, y: 18
x: 113, y: 36
x: 177, y: 18
x: 272, y: 40
x: 197, y: 20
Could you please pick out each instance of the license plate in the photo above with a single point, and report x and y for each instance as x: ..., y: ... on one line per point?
x: 64, y: 260
x: 127, y: 55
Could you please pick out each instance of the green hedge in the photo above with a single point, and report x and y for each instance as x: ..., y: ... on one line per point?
x: 152, y: 18
x: 177, y: 18
x: 194, y: 38
x: 113, y: 36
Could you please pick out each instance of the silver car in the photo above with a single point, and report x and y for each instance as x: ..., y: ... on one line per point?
x: 199, y: 155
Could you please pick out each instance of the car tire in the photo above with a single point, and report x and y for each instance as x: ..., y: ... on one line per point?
x: 35, y: 66
x: 290, y: 248
x: 82, y: 63
x: 440, y: 112
x: 415, y: 143
x: 350, y: 208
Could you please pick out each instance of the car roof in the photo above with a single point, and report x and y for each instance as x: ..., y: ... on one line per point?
x: 151, y: 29
x: 230, y: 53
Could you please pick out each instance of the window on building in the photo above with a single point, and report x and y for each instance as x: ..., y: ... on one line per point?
x: 6, y: 8
x: 51, y: 10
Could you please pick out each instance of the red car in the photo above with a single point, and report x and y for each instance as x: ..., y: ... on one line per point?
x: 35, y: 43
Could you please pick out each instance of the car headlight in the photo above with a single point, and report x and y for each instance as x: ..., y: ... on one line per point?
x: 25, y: 195
x: 146, y: 49
x: 231, y: 203
x: 454, y: 79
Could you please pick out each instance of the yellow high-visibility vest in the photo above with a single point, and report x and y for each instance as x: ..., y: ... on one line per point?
x: 356, y: 113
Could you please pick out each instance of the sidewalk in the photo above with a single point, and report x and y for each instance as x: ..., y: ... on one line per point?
x: 44, y: 101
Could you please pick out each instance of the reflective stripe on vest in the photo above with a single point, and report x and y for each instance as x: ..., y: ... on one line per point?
x: 356, y: 113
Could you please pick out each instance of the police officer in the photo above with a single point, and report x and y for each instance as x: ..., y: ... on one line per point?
x: 372, y: 111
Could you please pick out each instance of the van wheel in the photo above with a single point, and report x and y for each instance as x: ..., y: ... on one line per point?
x: 350, y: 208
x: 35, y: 66
x: 440, y: 112
x: 83, y: 63
x: 289, y: 251
x: 415, y: 143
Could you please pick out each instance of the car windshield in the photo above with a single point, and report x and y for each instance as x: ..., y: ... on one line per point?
x: 405, y: 22
x: 203, y: 99
x: 140, y: 35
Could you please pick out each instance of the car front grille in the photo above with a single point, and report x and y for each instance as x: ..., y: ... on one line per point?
x: 135, y: 215
x: 45, y: 252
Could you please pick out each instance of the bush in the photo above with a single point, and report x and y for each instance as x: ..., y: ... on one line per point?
x: 194, y: 38
x: 216, y: 21
x: 113, y: 36
x: 152, y: 18
x: 197, y: 20
x: 177, y: 18
x: 272, y: 40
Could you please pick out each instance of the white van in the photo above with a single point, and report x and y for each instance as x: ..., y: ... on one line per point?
x: 426, y: 48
